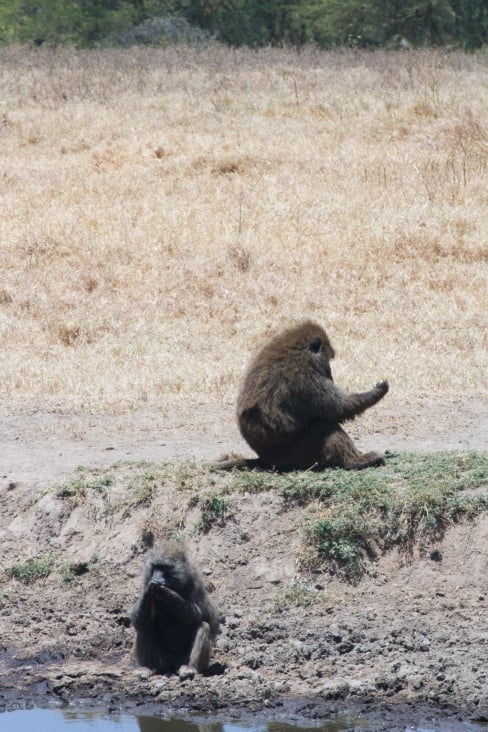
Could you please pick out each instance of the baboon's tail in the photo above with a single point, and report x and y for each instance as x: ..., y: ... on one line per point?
x: 229, y: 462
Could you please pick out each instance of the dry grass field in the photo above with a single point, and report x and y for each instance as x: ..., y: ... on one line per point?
x: 163, y: 210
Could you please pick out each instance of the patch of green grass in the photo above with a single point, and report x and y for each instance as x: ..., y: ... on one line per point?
x: 190, y: 475
x: 32, y: 569
x: 145, y: 479
x: 141, y: 489
x: 181, y: 475
x: 69, y: 573
x: 80, y: 487
x: 92, y: 485
x: 358, y: 515
x: 215, y: 509
x: 301, y: 595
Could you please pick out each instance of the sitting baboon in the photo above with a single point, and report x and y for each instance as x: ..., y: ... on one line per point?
x: 175, y: 619
x: 290, y: 411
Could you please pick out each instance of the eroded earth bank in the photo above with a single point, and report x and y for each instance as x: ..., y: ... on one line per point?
x: 407, y: 642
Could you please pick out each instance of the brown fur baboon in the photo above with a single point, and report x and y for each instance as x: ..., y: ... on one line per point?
x: 290, y: 411
x: 175, y: 619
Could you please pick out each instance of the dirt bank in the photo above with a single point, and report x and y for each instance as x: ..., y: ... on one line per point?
x: 408, y: 642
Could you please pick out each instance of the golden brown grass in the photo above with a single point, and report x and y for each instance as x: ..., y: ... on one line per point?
x: 163, y: 210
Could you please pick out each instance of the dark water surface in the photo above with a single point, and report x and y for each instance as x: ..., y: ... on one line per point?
x: 40, y: 720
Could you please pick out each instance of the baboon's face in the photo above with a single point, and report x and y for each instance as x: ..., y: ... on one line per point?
x: 320, y: 352
x: 167, y: 573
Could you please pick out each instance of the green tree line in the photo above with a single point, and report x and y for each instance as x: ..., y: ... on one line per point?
x: 328, y: 23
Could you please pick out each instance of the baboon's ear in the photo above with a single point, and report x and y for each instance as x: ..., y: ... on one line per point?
x: 315, y: 345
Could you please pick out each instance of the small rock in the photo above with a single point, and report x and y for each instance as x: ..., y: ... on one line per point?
x: 186, y: 672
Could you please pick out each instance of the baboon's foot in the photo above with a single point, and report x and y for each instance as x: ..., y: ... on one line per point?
x: 367, y: 460
x: 186, y: 672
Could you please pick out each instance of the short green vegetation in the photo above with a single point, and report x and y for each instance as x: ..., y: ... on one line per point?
x: 86, y: 481
x: 348, y: 518
x: 353, y: 517
x: 92, y: 486
x: 32, y: 569
x: 141, y: 489
x: 302, y: 595
x: 70, y: 573
x: 127, y: 485
x: 215, y: 510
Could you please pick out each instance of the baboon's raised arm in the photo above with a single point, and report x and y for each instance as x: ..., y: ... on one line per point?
x: 339, y: 406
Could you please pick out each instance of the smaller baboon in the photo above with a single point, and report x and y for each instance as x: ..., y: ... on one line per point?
x: 290, y: 411
x: 175, y: 619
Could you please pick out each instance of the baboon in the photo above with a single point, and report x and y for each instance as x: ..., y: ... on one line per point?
x: 175, y: 619
x: 290, y: 411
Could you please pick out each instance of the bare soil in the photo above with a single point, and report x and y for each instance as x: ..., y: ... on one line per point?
x: 403, y: 646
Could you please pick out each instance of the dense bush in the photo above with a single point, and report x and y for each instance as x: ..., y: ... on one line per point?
x: 252, y: 22
x: 158, y: 32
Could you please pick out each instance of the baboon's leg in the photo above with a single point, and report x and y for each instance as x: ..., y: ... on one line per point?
x: 338, y: 450
x: 149, y: 653
x: 302, y: 452
x: 202, y: 647
x: 320, y: 446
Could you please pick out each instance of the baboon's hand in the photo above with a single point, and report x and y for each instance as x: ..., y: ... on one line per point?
x: 382, y: 386
x: 165, y: 594
x: 153, y: 587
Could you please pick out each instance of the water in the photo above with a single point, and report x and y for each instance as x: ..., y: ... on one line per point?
x: 40, y: 720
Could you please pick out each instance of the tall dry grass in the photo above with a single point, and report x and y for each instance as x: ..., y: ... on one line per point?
x: 162, y: 210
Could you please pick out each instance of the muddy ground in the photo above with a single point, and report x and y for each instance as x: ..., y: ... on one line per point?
x: 406, y: 645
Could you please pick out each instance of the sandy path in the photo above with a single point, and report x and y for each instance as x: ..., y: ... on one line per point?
x: 42, y: 447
